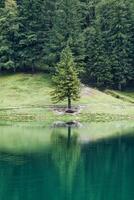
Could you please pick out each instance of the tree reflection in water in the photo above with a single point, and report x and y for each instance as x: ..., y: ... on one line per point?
x: 66, y: 153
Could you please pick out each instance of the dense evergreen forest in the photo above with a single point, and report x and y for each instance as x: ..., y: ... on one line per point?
x: 100, y: 33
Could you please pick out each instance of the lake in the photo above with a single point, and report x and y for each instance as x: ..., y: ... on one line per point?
x: 88, y: 163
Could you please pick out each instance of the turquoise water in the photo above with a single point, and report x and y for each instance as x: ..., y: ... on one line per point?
x: 68, y: 168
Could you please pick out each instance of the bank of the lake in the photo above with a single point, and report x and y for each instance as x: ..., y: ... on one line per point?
x: 26, y: 97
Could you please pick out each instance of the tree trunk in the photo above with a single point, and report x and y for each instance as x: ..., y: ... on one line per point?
x: 119, y: 87
x: 69, y: 136
x: 33, y: 69
x: 69, y: 103
x: 14, y: 69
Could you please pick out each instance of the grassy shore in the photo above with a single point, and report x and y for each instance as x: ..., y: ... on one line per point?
x: 26, y: 97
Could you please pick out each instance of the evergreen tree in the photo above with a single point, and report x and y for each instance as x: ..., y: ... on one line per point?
x: 98, y: 69
x: 2, y: 3
x: 66, y: 30
x: 115, y: 21
x: 109, y: 45
x: 8, y: 35
x: 32, y: 33
x: 66, y: 82
x: 100, y: 34
x: 88, y: 8
x: 49, y: 16
x: 131, y: 81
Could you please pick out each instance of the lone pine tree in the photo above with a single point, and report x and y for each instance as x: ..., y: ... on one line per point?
x: 66, y: 82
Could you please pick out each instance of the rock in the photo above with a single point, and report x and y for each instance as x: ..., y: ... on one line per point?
x: 73, y: 124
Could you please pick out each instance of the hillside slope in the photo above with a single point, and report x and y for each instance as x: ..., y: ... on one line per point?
x: 27, y: 97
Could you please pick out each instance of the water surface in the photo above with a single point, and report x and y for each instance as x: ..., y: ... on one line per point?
x: 64, y: 166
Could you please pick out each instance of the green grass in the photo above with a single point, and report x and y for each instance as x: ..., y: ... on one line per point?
x: 26, y: 97
x: 24, y: 90
x: 127, y: 96
x: 128, y: 93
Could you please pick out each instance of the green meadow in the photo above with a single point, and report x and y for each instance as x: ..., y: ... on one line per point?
x: 26, y: 98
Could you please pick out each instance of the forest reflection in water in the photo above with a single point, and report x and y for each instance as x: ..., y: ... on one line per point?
x: 69, y: 169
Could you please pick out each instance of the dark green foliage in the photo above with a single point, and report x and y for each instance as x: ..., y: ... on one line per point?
x: 100, y: 33
x: 66, y: 82
x: 32, y: 33
x: 2, y: 3
x: 8, y: 38
x: 98, y: 69
x: 117, y: 34
x: 66, y: 30
x: 88, y: 8
x: 109, y: 45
